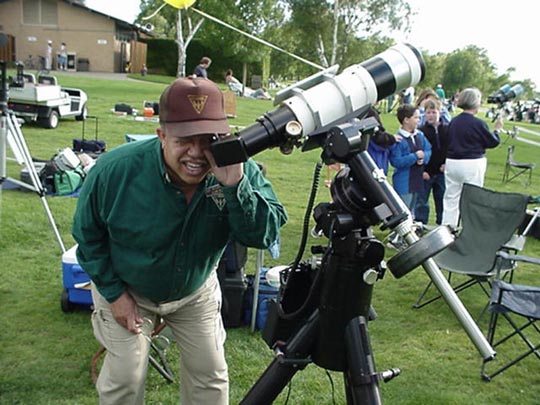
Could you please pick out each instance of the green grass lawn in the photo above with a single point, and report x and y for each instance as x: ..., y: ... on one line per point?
x: 45, y: 353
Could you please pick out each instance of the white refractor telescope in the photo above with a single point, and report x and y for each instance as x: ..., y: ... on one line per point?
x: 323, y: 99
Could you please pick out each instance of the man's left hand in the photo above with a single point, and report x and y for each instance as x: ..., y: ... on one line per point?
x: 227, y: 175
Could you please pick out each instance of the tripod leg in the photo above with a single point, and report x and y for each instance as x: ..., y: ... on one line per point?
x: 21, y: 151
x: 406, y: 230
x: 361, y: 382
x: 284, y: 367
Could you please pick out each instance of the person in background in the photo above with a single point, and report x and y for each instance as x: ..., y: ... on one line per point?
x: 453, y: 101
x: 380, y: 143
x: 437, y: 134
x: 201, y: 70
x: 390, y: 103
x: 48, y: 56
x: 62, y: 57
x: 274, y: 84
x: 152, y: 222
x: 233, y: 83
x: 441, y: 93
x: 409, y: 156
x: 466, y: 162
x: 240, y: 90
x: 407, y: 95
x: 430, y: 94
x: 378, y: 148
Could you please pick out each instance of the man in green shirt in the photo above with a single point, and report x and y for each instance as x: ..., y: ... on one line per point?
x: 153, y: 220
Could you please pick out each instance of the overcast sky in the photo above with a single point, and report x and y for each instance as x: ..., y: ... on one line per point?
x: 506, y: 30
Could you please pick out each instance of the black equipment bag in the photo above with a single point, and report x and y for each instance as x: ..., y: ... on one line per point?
x: 297, y: 299
x: 123, y: 108
x: 234, y: 284
x: 91, y: 146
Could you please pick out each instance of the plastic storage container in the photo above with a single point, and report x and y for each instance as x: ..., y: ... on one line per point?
x: 76, y: 283
x: 267, y: 292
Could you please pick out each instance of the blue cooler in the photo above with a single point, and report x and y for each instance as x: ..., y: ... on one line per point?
x: 266, y: 293
x: 76, y: 283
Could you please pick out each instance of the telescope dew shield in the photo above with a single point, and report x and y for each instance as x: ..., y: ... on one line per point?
x: 506, y: 93
x: 396, y: 68
x: 516, y: 91
x: 326, y: 102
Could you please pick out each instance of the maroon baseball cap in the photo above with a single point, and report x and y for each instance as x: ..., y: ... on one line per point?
x: 193, y: 106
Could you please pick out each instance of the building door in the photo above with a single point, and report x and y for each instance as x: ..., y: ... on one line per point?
x: 7, y: 47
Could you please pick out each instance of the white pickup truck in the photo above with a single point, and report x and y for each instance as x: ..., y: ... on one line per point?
x: 44, y: 101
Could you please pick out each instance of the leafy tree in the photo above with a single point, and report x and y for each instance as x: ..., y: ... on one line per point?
x: 326, y: 30
x: 171, y: 23
x: 252, y: 16
x: 363, y: 19
x: 469, y: 67
x: 164, y: 21
x: 258, y: 18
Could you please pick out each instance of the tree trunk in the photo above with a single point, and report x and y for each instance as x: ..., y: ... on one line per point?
x: 335, y: 35
x: 183, y: 44
x: 244, y: 77
x: 181, y: 69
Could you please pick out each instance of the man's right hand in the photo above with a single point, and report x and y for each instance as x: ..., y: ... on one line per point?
x: 125, y: 312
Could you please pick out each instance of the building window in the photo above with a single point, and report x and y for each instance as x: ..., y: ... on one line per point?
x: 40, y: 12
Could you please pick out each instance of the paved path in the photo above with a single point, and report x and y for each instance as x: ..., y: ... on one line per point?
x: 100, y: 75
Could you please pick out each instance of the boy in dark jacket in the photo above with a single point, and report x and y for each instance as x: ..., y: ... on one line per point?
x: 437, y: 134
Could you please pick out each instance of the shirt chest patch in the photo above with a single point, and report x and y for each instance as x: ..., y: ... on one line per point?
x: 216, y: 194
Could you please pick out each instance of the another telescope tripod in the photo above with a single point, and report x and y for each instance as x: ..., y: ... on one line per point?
x: 10, y: 134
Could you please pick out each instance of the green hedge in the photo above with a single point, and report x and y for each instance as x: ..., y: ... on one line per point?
x: 162, y: 58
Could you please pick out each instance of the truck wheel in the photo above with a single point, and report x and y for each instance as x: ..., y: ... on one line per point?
x: 83, y: 115
x: 51, y: 121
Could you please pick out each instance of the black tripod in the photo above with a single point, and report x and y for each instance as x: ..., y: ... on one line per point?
x: 335, y: 336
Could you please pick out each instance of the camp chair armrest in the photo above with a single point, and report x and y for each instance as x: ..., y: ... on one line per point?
x: 519, y: 258
x: 516, y: 243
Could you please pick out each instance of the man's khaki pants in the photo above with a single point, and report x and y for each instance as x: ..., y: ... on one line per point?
x: 196, y: 324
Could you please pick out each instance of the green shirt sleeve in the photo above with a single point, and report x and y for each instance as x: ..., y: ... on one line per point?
x: 90, y: 232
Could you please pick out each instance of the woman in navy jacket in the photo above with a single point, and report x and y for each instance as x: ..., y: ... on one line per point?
x: 466, y: 162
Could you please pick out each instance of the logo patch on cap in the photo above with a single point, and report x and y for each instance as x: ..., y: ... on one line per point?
x: 198, y: 102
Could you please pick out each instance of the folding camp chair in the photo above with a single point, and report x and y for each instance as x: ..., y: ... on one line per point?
x: 513, y: 169
x: 489, y: 220
x: 157, y: 356
x: 519, y: 305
